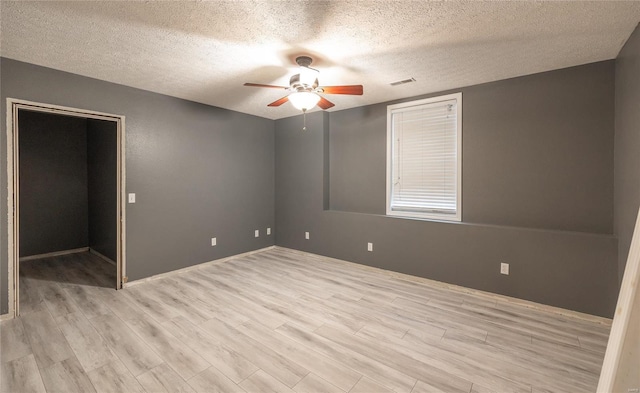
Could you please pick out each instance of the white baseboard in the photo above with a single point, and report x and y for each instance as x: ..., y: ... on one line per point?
x: 476, y: 292
x: 54, y: 254
x: 102, y: 256
x: 194, y: 267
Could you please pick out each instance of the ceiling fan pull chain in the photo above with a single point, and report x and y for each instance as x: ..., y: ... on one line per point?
x: 304, y: 120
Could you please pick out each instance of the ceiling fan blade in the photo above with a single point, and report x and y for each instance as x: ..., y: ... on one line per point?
x: 355, y: 90
x: 325, y: 104
x: 261, y: 85
x: 280, y: 101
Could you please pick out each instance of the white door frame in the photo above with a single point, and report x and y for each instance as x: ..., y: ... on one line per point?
x: 13, y: 106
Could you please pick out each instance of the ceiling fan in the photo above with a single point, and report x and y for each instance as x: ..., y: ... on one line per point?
x: 304, y: 88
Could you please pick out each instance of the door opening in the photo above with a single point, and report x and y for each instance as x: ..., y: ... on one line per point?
x: 115, y: 215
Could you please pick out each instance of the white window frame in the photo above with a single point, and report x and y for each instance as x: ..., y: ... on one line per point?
x: 416, y: 214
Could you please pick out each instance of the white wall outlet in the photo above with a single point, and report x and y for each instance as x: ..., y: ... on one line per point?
x: 257, y: 234
x: 306, y: 235
x: 268, y: 231
x: 214, y: 241
x: 504, y: 268
x: 132, y: 197
x: 369, y: 246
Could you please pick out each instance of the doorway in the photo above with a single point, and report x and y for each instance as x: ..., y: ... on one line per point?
x: 103, y: 202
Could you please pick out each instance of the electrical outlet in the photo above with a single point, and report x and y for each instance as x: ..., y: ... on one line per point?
x: 268, y: 231
x: 504, y: 268
x: 214, y: 241
x: 306, y: 235
x: 369, y: 246
x: 257, y: 234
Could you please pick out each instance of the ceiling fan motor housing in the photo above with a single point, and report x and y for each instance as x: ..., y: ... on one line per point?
x: 297, y: 85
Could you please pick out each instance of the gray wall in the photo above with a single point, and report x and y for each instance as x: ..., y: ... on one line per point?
x: 537, y: 152
x: 537, y: 192
x: 627, y: 145
x: 53, y: 183
x: 102, y: 183
x: 197, y: 171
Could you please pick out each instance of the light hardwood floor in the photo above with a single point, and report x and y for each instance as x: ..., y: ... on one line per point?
x: 283, y: 321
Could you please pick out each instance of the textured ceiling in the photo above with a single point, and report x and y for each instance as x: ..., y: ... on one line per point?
x: 205, y: 51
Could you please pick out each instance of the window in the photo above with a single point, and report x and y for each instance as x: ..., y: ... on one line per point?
x: 424, y: 163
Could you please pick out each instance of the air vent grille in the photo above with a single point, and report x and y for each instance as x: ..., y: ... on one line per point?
x: 402, y: 82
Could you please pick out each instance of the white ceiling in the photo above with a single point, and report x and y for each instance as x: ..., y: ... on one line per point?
x: 205, y: 51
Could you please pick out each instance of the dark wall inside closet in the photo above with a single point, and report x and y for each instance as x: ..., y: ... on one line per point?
x: 68, y: 184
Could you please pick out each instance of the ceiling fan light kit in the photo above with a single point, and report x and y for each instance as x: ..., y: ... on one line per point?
x: 304, y: 100
x: 305, y: 89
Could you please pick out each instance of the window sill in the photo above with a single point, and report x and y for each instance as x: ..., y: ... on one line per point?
x: 425, y: 216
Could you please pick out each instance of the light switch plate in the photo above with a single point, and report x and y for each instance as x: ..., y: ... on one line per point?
x: 132, y: 197
x: 214, y: 241
x: 268, y: 231
x: 257, y: 233
x: 504, y: 268
x: 306, y: 235
x: 369, y: 246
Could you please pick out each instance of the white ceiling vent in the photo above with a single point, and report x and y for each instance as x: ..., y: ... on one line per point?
x: 402, y: 82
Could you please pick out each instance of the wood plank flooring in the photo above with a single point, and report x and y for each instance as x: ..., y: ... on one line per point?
x: 283, y: 321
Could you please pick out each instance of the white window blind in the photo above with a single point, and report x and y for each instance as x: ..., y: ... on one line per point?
x: 424, y: 162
